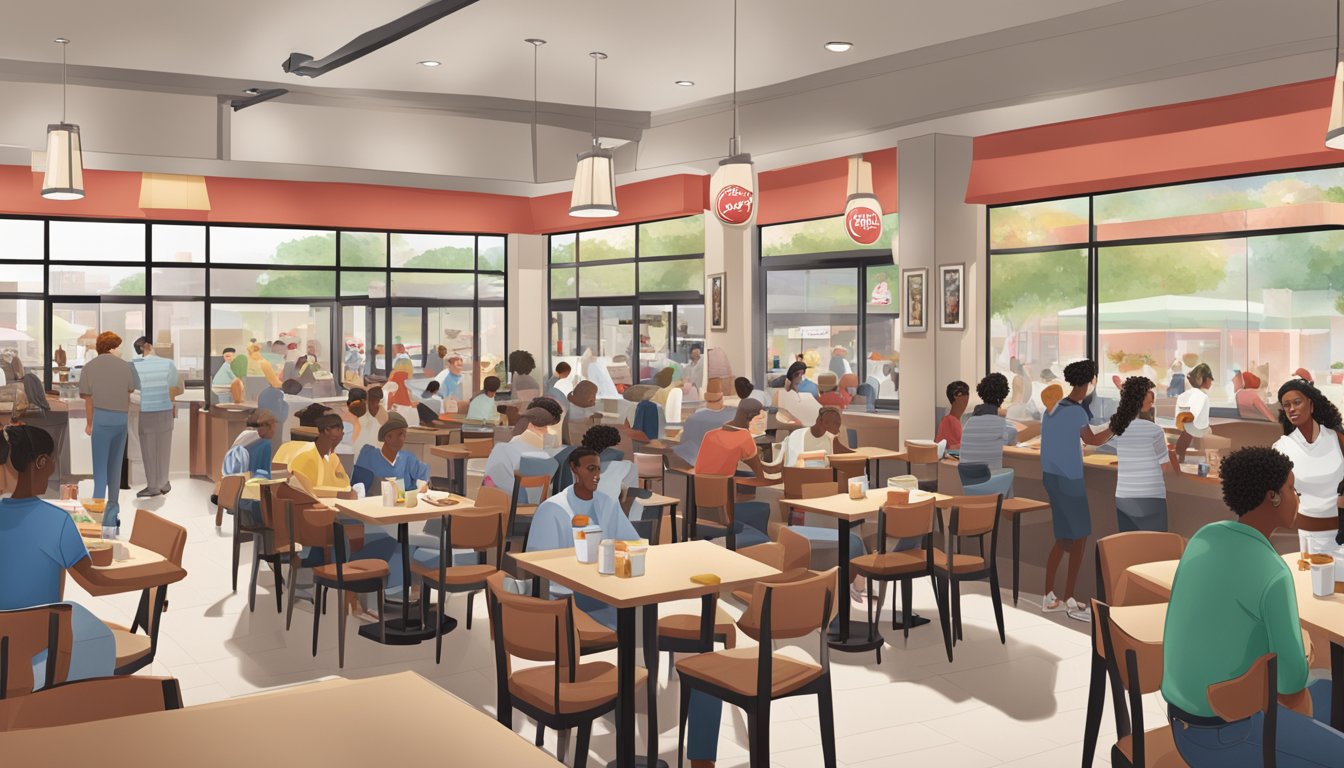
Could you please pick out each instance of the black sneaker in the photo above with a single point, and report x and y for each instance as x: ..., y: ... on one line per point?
x: 147, y: 493
x: 166, y: 488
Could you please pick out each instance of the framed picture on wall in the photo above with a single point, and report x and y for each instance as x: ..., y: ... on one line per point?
x: 915, y: 282
x: 951, y: 284
x: 714, y: 292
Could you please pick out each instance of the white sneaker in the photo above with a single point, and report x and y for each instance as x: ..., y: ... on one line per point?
x: 1051, y: 604
x: 1079, y: 611
x: 110, y: 532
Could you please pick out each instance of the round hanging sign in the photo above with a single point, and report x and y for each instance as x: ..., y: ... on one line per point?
x: 863, y: 224
x: 733, y: 204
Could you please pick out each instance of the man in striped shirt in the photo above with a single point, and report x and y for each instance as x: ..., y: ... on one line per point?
x: 985, y: 433
x: 157, y: 386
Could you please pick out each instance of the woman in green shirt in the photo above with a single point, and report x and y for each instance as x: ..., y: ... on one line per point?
x: 1233, y: 601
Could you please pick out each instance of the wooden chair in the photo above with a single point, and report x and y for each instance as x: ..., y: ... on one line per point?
x: 270, y: 545
x: 1135, y: 667
x: 26, y: 632
x: 720, y: 492
x: 83, y: 701
x: 169, y: 540
x: 562, y: 693
x: 650, y: 467
x: 532, y: 475
x: 922, y: 454
x: 902, y: 521
x: 753, y: 679
x: 316, y: 526
x: 970, y: 517
x: 790, y: 554
x: 480, y: 530
x: 227, y: 496
x: 231, y: 501
x: 675, y: 465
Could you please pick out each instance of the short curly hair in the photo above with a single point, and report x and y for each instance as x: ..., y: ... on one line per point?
x: 1080, y: 373
x: 1250, y: 473
x: 521, y: 361
x: 548, y: 404
x: 956, y: 389
x: 106, y: 342
x: 601, y: 437
x: 1323, y: 411
x: 993, y: 389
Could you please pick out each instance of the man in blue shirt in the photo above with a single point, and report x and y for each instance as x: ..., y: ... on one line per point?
x: 158, y: 385
x: 389, y: 462
x: 1062, y: 474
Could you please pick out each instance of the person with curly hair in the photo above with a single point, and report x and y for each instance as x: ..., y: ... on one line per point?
x: 618, y: 474
x: 523, y: 364
x: 986, y: 432
x: 949, y: 429
x: 106, y: 384
x: 1233, y: 601
x: 1312, y: 436
x: 1192, y: 408
x: 1062, y: 475
x: 1141, y: 446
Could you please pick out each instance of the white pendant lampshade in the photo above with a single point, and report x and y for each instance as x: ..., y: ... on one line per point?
x: 732, y: 190
x: 863, y: 211
x: 1334, y: 134
x: 64, y: 177
x: 594, y: 193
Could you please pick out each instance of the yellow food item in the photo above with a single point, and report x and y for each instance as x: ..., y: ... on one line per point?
x: 579, y: 521
x: 1184, y: 418
x: 1051, y: 395
x: 708, y: 579
x: 622, y: 546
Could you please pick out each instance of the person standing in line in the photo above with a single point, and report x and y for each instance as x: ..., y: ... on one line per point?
x: 1192, y: 408
x: 434, y: 361
x: 1062, y: 474
x: 450, y: 378
x: 1141, y: 446
x: 106, y: 385
x: 1312, y: 436
x: 157, y: 382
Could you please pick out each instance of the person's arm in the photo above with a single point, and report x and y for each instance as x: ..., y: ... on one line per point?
x: 1093, y: 438
x: 1163, y: 454
x: 175, y: 385
x: 88, y: 412
x: 1278, y: 610
x: 752, y: 457
x: 545, y: 531
x: 839, y: 446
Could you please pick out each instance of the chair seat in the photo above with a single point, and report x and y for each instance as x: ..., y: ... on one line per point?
x: 594, y: 686
x: 130, y: 646
x: 456, y: 576
x: 961, y: 563
x: 796, y: 574
x: 1159, y: 750
x: 890, y: 563
x: 355, y: 570
x: 686, y: 626
x: 735, y: 670
x: 746, y: 535
x: 593, y: 636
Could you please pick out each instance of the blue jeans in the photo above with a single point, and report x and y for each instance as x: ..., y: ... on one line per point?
x: 93, y: 652
x: 109, y: 448
x: 1301, y: 741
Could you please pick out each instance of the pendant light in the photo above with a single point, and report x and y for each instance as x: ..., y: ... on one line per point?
x: 732, y: 188
x: 1334, y: 134
x: 536, y: 44
x: 64, y: 177
x: 863, y: 211
x: 595, y: 177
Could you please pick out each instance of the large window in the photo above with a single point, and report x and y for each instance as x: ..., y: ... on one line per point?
x: 632, y: 293
x: 1241, y: 274
x: 832, y: 303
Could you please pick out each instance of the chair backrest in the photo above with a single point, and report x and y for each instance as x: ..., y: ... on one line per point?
x: 713, y: 491
x: 649, y: 464
x: 1119, y: 551
x: 532, y: 628
x: 83, y: 701
x: 26, y: 632
x: 998, y: 484
x: 796, y: 477
x: 921, y: 453
x: 1254, y: 691
x: 231, y: 492
x: 974, y: 515
x: 478, y: 447
x: 818, y: 490
x: 796, y: 608
x: 478, y: 529
x: 534, y: 477
x: 797, y: 550
x: 904, y: 521
x: 1138, y: 663
x: 311, y: 524
x: 159, y: 535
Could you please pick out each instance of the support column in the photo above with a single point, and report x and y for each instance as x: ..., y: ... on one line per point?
x: 731, y: 250
x: 937, y: 227
x: 528, y: 289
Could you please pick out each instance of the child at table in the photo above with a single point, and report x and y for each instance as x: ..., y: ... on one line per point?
x: 38, y: 544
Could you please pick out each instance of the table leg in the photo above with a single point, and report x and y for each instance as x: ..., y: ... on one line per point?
x: 625, y: 688
x: 460, y: 476
x: 843, y: 637
x: 672, y: 520
x: 1336, y: 686
x: 406, y: 630
x: 1017, y: 558
x: 650, y: 617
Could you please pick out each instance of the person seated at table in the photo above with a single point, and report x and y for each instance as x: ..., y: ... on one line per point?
x: 391, y: 461
x: 795, y: 401
x: 843, y: 392
x: 744, y: 389
x: 505, y: 458
x: 724, y: 448
x: 363, y: 427
x: 1233, y: 600
x: 822, y: 437
x: 986, y: 432
x: 251, y: 455
x: 702, y: 421
x: 450, y: 378
x: 482, y: 406
x: 949, y: 429
x: 562, y: 383
x: 581, y: 403
x: 430, y: 397
x: 1249, y: 403
x: 663, y: 379
x: 618, y: 475
x: 39, y: 543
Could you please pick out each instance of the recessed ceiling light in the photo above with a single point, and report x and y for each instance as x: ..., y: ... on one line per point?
x: 685, y: 83
x: 838, y: 46
x: 431, y: 63
x: 252, y: 91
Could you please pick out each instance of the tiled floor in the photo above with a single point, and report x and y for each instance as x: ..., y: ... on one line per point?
x: 1019, y: 704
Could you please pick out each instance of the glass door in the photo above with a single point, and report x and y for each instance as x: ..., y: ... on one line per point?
x: 363, y: 333
x: 809, y: 313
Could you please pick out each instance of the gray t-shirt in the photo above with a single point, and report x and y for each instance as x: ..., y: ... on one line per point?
x: 110, y: 380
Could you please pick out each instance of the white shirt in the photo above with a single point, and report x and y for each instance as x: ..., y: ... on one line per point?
x: 1317, y: 467
x: 564, y: 386
x: 1142, y: 451
x: 800, y: 406
x: 1195, y: 401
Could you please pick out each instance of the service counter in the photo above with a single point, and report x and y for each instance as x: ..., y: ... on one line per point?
x: 223, y: 425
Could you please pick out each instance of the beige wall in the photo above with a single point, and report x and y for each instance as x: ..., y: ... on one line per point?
x: 528, y: 294
x: 732, y: 250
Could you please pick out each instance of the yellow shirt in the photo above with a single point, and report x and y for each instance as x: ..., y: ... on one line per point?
x: 320, y: 475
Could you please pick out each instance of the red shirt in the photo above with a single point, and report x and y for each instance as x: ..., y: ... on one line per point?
x: 722, y: 449
x: 949, y: 429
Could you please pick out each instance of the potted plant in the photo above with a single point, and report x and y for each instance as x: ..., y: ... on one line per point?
x: 1337, y: 372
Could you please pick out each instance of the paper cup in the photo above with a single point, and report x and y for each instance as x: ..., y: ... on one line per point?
x: 1322, y: 575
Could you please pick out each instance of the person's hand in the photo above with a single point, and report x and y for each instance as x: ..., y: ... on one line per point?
x: 1309, y: 649
x: 88, y: 426
x: 1299, y: 702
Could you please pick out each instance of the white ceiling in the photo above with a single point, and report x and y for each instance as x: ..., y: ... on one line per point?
x: 651, y: 44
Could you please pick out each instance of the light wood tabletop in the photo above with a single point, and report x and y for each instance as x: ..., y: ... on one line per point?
x: 867, y: 453
x: 453, y: 451
x: 136, y: 556
x: 842, y: 507
x: 400, y: 703
x: 668, y: 570
x: 371, y: 510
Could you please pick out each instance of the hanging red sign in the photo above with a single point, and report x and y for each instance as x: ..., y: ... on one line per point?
x: 733, y: 204
x: 863, y: 224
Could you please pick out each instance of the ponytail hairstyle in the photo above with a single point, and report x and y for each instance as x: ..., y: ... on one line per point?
x: 1132, y: 394
x: 21, y: 445
x: 1323, y: 411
